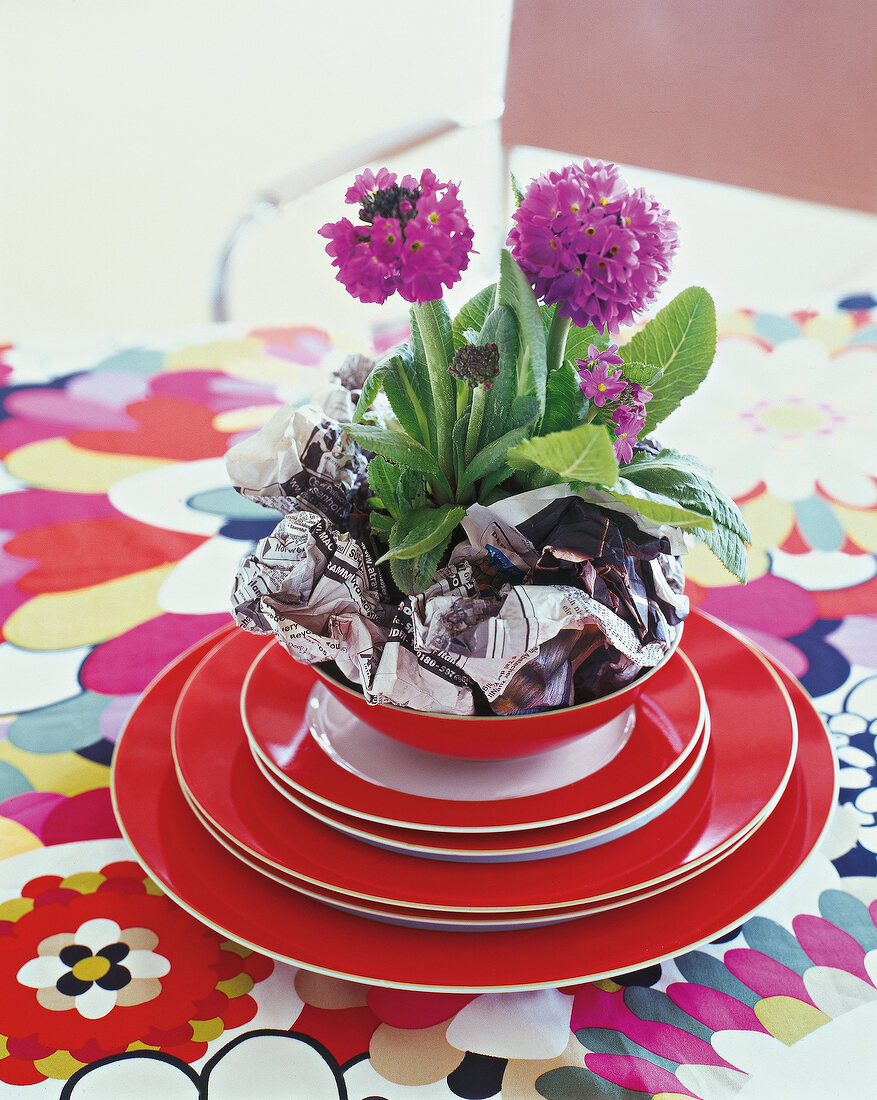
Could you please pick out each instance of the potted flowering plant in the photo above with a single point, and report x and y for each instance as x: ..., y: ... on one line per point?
x: 500, y: 457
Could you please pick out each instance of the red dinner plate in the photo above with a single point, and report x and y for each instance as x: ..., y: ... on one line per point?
x: 243, y: 798
x: 731, y: 792
x: 238, y: 902
x: 669, y: 717
x: 551, y: 840
x: 456, y: 921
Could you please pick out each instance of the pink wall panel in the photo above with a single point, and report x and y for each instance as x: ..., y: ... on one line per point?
x: 770, y: 94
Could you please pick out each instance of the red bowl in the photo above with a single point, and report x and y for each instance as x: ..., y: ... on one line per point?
x: 488, y: 737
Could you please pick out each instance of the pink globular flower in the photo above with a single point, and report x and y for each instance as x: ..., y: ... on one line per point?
x: 589, y: 244
x: 413, y: 237
x: 598, y: 383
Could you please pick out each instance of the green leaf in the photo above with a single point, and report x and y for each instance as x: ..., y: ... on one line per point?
x: 583, y: 454
x: 492, y: 457
x: 524, y: 410
x: 472, y: 315
x: 411, y: 491
x: 500, y: 328
x: 565, y: 407
x: 434, y: 346
x: 458, y: 440
x: 684, y: 480
x: 410, y: 401
x: 396, y: 446
x: 653, y: 506
x: 516, y: 189
x: 728, y: 547
x: 681, y: 340
x: 413, y: 575
x: 382, y: 479
x: 514, y: 291
x: 372, y: 386
x: 380, y: 523
x: 643, y: 374
x: 442, y: 320
x: 492, y: 481
x: 417, y: 543
x: 422, y: 530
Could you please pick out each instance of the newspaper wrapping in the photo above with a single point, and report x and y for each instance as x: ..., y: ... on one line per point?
x: 303, y: 460
x: 489, y: 634
x: 551, y: 600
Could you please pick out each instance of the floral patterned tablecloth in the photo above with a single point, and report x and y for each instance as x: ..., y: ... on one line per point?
x: 119, y: 537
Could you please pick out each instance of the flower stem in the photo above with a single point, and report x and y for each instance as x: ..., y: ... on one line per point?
x: 555, y: 344
x: 462, y: 398
x: 444, y: 392
x: 476, y: 417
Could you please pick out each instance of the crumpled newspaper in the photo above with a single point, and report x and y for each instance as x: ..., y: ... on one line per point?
x: 301, y: 460
x: 318, y: 590
x: 552, y: 600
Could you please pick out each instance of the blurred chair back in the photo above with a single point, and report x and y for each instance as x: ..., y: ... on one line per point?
x: 775, y: 95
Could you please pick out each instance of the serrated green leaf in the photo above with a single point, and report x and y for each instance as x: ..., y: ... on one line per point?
x: 409, y: 399
x: 500, y: 328
x: 582, y: 454
x: 396, y: 446
x: 516, y: 189
x: 683, y: 479
x: 728, y: 547
x: 381, y: 523
x: 565, y: 407
x: 411, y: 491
x: 371, y: 387
x: 472, y: 314
x: 523, y: 411
x: 681, y: 340
x: 458, y: 440
x: 420, y: 531
x: 382, y: 479
x: 653, y: 506
x: 414, y: 575
x: 490, y: 483
x: 643, y: 374
x: 514, y: 290
x: 492, y: 457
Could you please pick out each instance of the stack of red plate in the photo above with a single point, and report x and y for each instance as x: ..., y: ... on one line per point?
x: 257, y: 802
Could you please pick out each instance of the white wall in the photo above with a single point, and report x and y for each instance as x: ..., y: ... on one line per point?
x: 134, y: 134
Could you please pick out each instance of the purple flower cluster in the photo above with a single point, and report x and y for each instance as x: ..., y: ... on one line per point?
x: 592, y: 246
x: 413, y: 237
x: 627, y: 409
